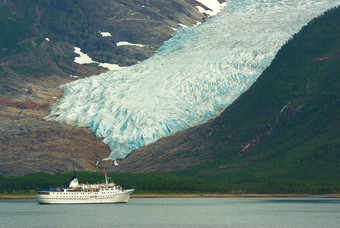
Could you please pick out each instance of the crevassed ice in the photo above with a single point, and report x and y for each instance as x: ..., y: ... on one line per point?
x: 191, y: 78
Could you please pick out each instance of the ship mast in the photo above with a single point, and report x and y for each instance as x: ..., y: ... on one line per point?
x: 74, y: 174
x: 106, y: 181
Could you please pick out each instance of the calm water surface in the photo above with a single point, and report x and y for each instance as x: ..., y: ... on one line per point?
x: 176, y: 212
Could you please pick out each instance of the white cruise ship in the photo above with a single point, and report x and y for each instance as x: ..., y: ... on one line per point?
x: 84, y: 193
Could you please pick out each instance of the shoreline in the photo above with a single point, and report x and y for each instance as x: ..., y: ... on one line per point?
x: 175, y: 195
x: 234, y: 195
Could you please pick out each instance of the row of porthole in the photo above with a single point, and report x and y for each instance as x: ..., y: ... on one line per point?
x: 72, y: 197
x: 81, y: 196
x: 76, y: 193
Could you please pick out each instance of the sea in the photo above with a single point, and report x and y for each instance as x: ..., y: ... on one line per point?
x: 176, y: 212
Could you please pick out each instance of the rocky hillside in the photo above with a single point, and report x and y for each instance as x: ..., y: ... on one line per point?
x: 41, y: 35
x: 37, y: 55
x: 285, y: 127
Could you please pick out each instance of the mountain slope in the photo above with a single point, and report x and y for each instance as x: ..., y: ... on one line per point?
x: 286, y: 126
x: 37, y: 55
x: 40, y: 35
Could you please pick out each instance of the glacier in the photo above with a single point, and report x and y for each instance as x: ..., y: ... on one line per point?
x: 192, y: 78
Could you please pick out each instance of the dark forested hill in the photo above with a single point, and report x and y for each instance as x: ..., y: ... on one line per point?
x: 285, y: 128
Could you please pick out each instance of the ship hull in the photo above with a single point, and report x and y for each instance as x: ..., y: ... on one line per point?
x: 121, y: 197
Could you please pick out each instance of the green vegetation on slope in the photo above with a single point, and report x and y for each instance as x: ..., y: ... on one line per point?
x: 159, y: 183
x: 286, y: 127
x: 15, y: 31
x: 23, y: 49
x: 154, y: 182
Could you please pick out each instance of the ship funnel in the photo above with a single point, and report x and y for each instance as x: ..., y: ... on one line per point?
x: 74, y: 183
x: 74, y: 180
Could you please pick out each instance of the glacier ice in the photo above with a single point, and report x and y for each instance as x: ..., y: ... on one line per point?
x: 190, y: 79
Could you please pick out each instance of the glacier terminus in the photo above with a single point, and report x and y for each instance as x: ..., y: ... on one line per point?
x: 192, y: 78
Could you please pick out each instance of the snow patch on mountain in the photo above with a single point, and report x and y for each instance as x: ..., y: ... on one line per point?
x: 105, y: 34
x: 214, y: 7
x: 82, y: 58
x: 182, y: 25
x: 85, y: 59
x: 125, y: 43
x: 192, y: 78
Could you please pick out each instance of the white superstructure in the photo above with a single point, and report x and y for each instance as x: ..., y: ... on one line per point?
x: 84, y: 193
